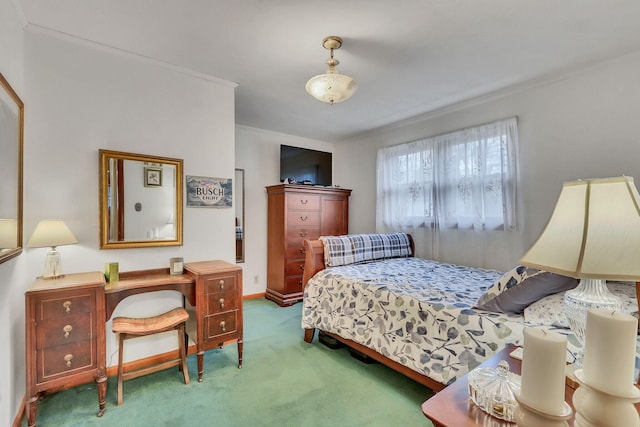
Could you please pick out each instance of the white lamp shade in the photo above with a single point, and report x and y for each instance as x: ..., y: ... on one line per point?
x: 8, y: 233
x: 331, y: 87
x: 594, y: 232
x: 51, y: 233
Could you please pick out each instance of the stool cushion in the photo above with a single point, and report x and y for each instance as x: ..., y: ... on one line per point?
x: 150, y: 325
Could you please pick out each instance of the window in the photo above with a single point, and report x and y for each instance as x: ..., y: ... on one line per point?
x: 464, y: 179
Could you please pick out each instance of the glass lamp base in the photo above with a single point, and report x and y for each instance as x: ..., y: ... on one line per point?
x: 590, y: 293
x: 52, y: 269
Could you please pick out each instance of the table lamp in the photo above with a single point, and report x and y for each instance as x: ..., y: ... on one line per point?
x: 51, y: 233
x: 593, y: 235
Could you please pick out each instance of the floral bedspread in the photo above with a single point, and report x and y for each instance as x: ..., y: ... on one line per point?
x: 414, y: 311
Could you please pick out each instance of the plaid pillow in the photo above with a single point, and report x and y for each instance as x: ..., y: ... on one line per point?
x: 361, y: 248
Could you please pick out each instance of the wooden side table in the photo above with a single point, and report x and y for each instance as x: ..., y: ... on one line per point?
x: 452, y: 406
x: 65, y: 336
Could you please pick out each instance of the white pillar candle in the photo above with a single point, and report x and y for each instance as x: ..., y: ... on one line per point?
x: 610, y: 351
x: 543, y: 371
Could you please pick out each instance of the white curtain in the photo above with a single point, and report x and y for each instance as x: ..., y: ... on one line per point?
x: 461, y: 180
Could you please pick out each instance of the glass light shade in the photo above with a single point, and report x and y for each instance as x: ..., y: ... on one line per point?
x: 8, y: 233
x: 331, y: 87
x: 594, y: 235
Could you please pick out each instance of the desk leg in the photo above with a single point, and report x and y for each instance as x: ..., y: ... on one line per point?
x: 200, y: 364
x: 101, y: 381
x: 240, y: 353
x: 32, y: 409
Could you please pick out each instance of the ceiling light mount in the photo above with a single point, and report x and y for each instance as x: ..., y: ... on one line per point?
x: 332, y: 86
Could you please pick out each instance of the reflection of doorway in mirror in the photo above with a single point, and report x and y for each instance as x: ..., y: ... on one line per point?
x: 238, y: 193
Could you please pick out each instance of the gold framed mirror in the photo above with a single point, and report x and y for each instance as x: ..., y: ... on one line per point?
x: 140, y: 200
x: 11, y: 147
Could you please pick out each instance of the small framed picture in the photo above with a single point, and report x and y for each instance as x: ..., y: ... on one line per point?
x: 176, y: 265
x: 152, y: 177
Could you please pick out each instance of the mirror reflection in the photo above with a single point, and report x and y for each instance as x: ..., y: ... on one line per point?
x: 140, y: 200
x: 239, y: 202
x: 11, y: 137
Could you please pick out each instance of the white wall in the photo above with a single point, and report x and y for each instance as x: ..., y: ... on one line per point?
x: 13, y: 271
x: 258, y: 153
x: 581, y: 126
x: 79, y: 99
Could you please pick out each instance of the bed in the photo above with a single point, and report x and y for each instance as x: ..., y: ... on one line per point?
x: 431, y: 321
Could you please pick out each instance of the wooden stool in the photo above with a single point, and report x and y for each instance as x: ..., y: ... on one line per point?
x: 129, y: 327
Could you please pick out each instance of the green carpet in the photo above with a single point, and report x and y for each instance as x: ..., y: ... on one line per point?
x: 283, y: 382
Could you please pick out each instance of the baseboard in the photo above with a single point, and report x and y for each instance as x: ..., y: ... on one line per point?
x: 253, y: 296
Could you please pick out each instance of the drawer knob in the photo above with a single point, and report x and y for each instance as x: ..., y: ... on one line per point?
x: 68, y: 358
x: 67, y: 306
x: 221, y: 302
x: 67, y: 330
x: 302, y: 251
x: 304, y: 218
x: 221, y: 284
x: 304, y: 201
x: 301, y: 267
x: 223, y: 326
x: 303, y: 234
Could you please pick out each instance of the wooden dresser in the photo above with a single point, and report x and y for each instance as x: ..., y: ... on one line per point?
x: 298, y: 212
x: 65, y: 336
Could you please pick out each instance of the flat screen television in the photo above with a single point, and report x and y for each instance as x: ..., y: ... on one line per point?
x: 305, y: 166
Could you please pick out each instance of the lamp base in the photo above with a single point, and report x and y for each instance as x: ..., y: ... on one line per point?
x: 52, y: 269
x: 590, y: 293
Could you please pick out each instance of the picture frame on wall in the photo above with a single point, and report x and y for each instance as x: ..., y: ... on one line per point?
x: 152, y: 177
x: 208, y: 192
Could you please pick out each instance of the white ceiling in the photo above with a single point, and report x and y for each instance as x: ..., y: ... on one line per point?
x: 409, y: 57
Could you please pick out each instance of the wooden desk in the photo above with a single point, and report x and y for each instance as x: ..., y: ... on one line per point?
x: 65, y: 322
x: 452, y: 406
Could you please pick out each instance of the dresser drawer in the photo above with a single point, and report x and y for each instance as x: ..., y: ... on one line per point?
x: 66, y: 359
x: 303, y: 219
x: 219, y: 284
x: 295, y: 252
x: 60, y: 305
x: 297, y: 235
x: 294, y: 268
x: 302, y: 201
x: 64, y: 330
x: 220, y: 324
x: 294, y: 284
x: 221, y: 301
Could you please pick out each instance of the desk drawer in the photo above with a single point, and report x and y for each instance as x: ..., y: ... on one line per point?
x: 64, y: 330
x: 57, y: 305
x: 66, y: 359
x: 218, y: 325
x: 221, y: 301
x: 219, y: 284
x: 303, y: 201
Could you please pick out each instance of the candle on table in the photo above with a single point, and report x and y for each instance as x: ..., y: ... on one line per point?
x: 610, y: 351
x: 543, y: 371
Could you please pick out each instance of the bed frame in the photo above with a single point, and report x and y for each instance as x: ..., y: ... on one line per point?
x: 314, y: 262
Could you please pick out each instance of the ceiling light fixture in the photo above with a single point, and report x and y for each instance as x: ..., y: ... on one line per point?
x: 332, y: 86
